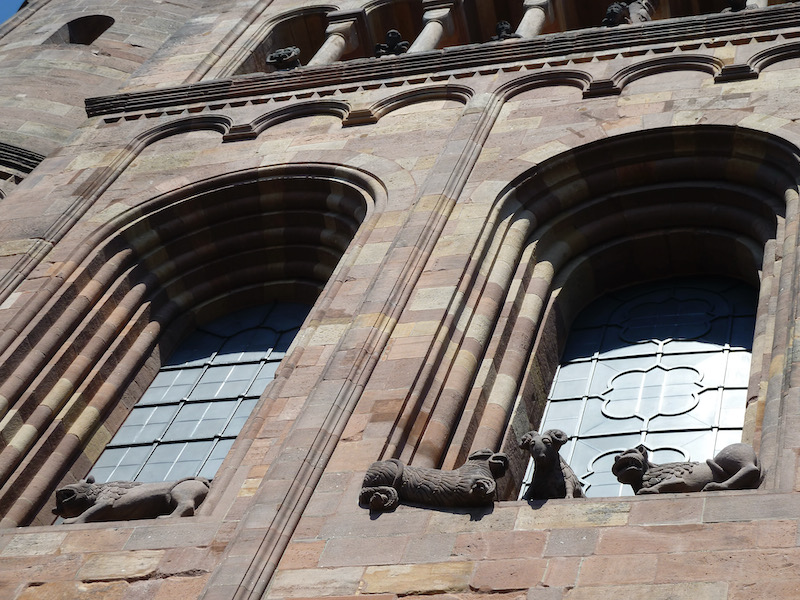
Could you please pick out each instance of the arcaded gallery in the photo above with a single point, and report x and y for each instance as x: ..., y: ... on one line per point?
x: 400, y: 300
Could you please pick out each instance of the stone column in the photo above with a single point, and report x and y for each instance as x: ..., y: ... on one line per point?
x: 532, y: 23
x: 437, y: 21
x: 342, y: 37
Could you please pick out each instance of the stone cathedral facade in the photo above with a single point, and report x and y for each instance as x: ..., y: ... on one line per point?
x: 267, y: 243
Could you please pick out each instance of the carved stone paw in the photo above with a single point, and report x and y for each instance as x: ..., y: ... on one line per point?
x: 713, y: 486
x: 380, y: 498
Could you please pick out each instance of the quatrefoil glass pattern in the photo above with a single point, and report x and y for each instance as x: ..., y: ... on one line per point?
x: 665, y: 365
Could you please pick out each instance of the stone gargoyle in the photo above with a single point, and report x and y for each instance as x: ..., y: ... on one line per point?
x: 626, y: 13
x: 388, y: 482
x: 87, y: 501
x: 552, y: 476
x: 735, y: 467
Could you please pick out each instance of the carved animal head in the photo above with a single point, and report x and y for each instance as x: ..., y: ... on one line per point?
x: 502, y: 29
x: 544, y: 447
x: 393, y: 37
x: 73, y: 499
x: 617, y: 13
x: 630, y: 466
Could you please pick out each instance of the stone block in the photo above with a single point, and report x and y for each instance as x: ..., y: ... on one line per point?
x: 120, y: 565
x: 430, y: 548
x: 750, y: 506
x: 96, y: 540
x: 678, y: 591
x: 176, y: 535
x: 599, y: 570
x: 181, y: 587
x: 430, y: 578
x: 571, y: 542
x: 571, y: 514
x: 545, y: 593
x: 747, y: 566
x: 562, y: 571
x: 505, y: 575
x: 69, y: 590
x: 495, y: 545
x: 34, y: 544
x: 301, y: 555
x: 662, y: 511
x: 500, y: 518
x: 788, y: 587
x: 308, y: 582
x: 680, y: 538
x: 406, y: 520
x: 359, y: 551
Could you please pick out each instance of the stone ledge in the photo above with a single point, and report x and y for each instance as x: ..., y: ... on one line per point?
x: 557, y: 46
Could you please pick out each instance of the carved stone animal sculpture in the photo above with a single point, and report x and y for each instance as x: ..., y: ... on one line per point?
x: 552, y: 477
x: 625, y: 13
x: 87, y: 501
x: 388, y: 482
x: 734, y: 468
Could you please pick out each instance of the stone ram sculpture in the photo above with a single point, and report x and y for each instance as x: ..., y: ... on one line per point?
x: 734, y: 468
x: 87, y: 501
x: 552, y: 477
x: 388, y: 482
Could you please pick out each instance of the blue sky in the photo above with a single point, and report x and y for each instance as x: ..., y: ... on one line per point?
x: 8, y: 8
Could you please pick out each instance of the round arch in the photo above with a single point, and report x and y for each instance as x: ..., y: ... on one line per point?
x: 151, y: 275
x: 637, y: 207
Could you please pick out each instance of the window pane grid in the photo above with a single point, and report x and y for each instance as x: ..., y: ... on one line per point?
x: 676, y: 382
x: 187, y: 420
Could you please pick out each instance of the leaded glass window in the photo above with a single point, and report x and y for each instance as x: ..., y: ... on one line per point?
x: 665, y: 365
x: 187, y: 420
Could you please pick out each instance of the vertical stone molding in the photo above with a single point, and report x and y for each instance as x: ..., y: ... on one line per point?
x: 341, y: 37
x: 536, y: 14
x: 438, y: 20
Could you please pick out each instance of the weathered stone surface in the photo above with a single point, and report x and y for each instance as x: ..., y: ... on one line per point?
x: 508, y: 574
x: 570, y: 515
x: 307, y: 582
x: 572, y: 542
x: 120, y: 565
x: 34, y: 544
x: 678, y: 591
x: 70, y: 590
x: 414, y: 579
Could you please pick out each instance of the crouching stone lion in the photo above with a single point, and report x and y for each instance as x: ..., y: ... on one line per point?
x: 734, y: 468
x: 388, y: 482
x: 87, y: 501
x: 552, y: 476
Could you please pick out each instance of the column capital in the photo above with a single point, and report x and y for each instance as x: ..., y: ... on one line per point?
x: 345, y: 23
x: 541, y: 4
x: 428, y: 5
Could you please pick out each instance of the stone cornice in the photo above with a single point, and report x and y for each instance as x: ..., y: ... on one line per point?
x: 577, y: 46
x: 18, y: 158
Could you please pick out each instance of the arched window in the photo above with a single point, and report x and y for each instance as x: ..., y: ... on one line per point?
x: 83, y: 30
x: 189, y: 417
x: 665, y: 365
